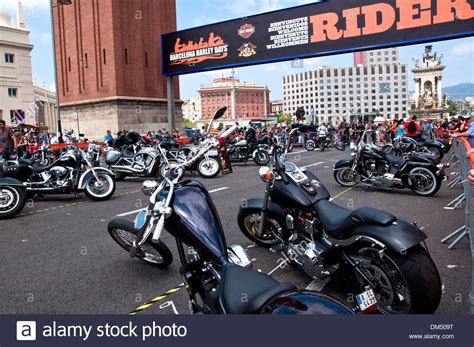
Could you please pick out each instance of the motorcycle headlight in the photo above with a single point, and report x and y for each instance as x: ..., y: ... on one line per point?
x: 265, y: 173
x: 149, y: 187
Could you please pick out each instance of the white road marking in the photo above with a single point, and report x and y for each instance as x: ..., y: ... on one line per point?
x: 297, y: 152
x: 142, y: 209
x: 315, y: 164
x: 218, y: 189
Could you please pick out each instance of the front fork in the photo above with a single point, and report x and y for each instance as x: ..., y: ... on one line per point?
x: 263, y: 213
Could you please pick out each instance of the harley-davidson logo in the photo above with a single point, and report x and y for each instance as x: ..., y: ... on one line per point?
x: 246, y: 30
x: 247, y: 50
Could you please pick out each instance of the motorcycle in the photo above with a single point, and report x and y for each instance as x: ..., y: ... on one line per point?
x: 371, y: 165
x: 433, y: 149
x: 367, y: 248
x: 216, y: 277
x: 123, y: 162
x: 72, y: 172
x: 241, y: 150
x: 208, y: 166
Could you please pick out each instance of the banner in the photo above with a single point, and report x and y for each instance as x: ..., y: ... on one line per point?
x: 323, y: 28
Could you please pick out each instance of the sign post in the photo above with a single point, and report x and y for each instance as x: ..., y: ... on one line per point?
x: 75, y: 116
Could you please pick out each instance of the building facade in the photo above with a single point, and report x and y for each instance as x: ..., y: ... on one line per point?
x: 251, y: 100
x: 108, y: 59
x: 377, y: 57
x: 45, y: 101
x: 16, y: 80
x: 277, y: 106
x: 358, y: 92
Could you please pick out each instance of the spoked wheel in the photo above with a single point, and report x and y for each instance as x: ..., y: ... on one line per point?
x: 345, y: 177
x: 12, y: 201
x: 424, y: 181
x: 208, y: 167
x: 310, y: 145
x: 261, y: 157
x: 124, y: 233
x: 249, y: 222
x: 100, y: 189
x: 404, y: 283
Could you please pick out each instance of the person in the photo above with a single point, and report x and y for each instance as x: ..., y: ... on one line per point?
x: 469, y: 133
x: 55, y: 139
x: 108, y: 138
x: 412, y: 128
x: 7, y: 140
x: 471, y: 176
x: 381, y: 134
x: 322, y: 133
x: 429, y: 129
x: 21, y: 145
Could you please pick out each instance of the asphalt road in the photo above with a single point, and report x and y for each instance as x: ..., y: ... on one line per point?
x: 57, y: 257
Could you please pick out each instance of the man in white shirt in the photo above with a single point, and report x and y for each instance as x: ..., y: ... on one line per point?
x: 322, y: 133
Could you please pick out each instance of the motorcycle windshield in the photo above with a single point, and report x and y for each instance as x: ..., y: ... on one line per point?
x: 196, y: 220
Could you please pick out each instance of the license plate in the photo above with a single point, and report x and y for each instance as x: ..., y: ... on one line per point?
x: 212, y: 153
x: 366, y: 299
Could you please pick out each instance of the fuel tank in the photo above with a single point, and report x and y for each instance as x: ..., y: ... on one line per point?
x: 292, y: 195
x: 305, y: 302
x: 195, y: 220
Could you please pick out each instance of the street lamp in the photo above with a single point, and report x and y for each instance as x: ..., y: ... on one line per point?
x: 59, y: 2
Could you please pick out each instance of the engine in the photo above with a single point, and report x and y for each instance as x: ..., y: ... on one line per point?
x: 376, y: 168
x: 58, y: 176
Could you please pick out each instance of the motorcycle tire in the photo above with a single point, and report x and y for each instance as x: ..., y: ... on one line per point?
x: 261, y: 157
x: 208, y: 169
x: 248, y: 221
x: 341, y: 178
x: 15, y: 203
x: 436, y: 184
x: 145, y: 253
x: 99, y: 196
x: 415, y: 272
x: 310, y: 145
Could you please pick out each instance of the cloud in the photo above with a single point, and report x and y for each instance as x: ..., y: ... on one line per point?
x: 463, y: 48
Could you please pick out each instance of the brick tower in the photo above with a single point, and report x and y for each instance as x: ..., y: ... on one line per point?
x: 109, y: 66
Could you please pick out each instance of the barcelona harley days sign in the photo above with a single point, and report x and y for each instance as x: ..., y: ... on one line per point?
x: 323, y: 28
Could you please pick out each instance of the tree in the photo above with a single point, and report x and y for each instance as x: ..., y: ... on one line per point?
x: 452, y: 109
x: 189, y: 124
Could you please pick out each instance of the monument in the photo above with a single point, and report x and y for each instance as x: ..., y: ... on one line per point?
x: 430, y: 103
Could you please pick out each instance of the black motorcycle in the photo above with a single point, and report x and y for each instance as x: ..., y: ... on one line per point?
x: 366, y: 248
x: 71, y: 173
x: 242, y: 150
x: 217, y: 277
x: 373, y: 166
x: 433, y: 149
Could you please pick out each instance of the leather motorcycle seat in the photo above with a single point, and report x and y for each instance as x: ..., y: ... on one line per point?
x: 127, y: 154
x: 36, y: 168
x: 393, y: 159
x: 338, y: 221
x: 245, y: 290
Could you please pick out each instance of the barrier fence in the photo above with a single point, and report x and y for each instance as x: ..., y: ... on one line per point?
x: 462, y: 161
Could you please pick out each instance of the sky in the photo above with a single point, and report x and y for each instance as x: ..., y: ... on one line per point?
x: 458, y: 54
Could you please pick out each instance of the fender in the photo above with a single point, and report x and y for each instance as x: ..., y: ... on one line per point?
x: 275, y: 210
x: 85, y: 176
x: 8, y: 181
x: 399, y: 236
x: 343, y: 163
